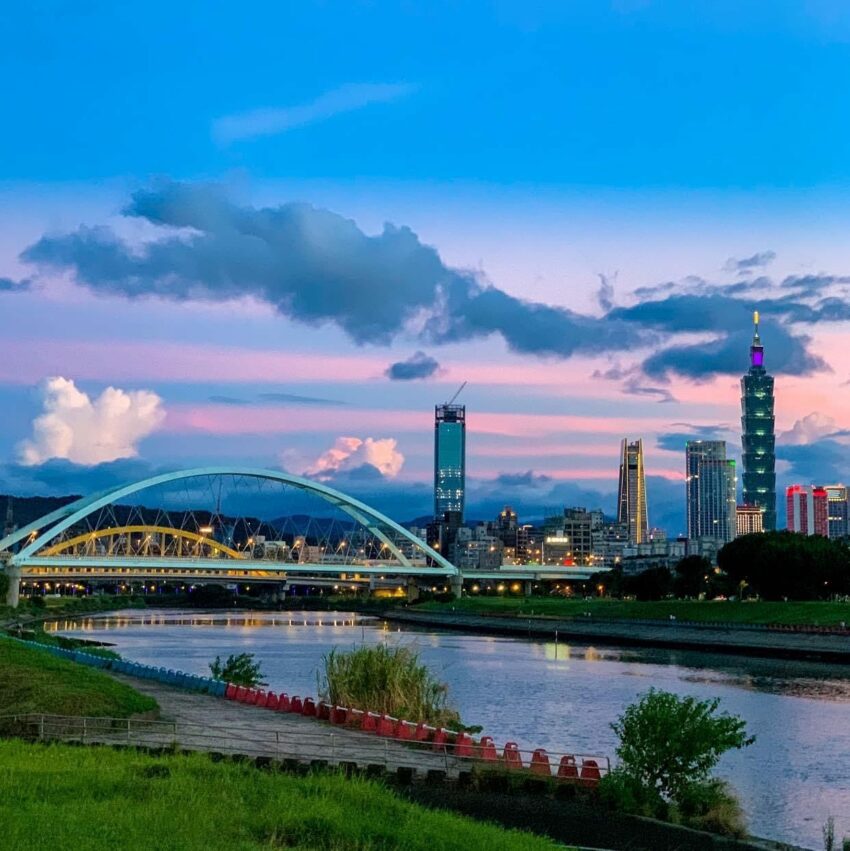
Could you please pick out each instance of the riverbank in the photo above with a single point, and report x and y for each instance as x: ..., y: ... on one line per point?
x: 662, y: 634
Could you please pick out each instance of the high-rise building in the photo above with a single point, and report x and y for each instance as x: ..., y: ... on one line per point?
x: 807, y: 510
x: 449, y: 463
x: 711, y: 489
x: 836, y: 503
x: 749, y: 520
x: 631, y: 497
x: 758, y: 439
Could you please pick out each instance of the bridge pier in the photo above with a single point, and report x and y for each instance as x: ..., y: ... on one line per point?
x: 13, y: 592
x: 412, y: 590
x: 457, y: 585
x: 526, y: 588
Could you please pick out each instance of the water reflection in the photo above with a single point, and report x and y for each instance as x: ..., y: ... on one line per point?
x: 555, y: 695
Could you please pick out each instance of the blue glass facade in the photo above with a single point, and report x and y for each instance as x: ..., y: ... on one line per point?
x: 449, y: 461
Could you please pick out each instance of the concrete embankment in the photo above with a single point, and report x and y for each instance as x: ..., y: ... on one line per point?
x: 711, y: 638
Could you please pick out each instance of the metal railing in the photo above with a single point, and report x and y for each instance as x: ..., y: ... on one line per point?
x: 328, y: 745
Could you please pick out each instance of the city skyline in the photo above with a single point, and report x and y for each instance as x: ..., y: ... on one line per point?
x: 587, y: 282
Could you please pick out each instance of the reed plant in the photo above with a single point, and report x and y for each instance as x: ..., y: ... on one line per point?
x: 390, y: 680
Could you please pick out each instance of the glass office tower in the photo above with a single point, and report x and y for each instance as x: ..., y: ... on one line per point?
x: 631, y: 498
x: 449, y: 463
x: 758, y: 439
x: 712, y: 491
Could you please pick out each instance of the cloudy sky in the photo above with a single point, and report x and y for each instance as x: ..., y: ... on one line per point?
x: 277, y: 234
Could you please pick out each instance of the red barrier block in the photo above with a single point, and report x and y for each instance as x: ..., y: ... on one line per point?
x: 309, y: 707
x: 369, y: 722
x: 540, y: 763
x: 441, y: 740
x: 230, y: 691
x: 339, y: 715
x: 567, y: 769
x: 590, y: 774
x: 271, y: 701
x: 353, y: 717
x: 386, y: 726
x: 487, y: 750
x: 323, y: 711
x: 405, y: 731
x: 283, y: 702
x: 512, y: 756
x: 464, y: 746
x: 296, y: 705
x: 251, y: 697
x: 241, y: 693
x: 262, y: 697
x: 423, y: 732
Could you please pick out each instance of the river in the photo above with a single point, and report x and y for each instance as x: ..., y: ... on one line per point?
x: 562, y: 697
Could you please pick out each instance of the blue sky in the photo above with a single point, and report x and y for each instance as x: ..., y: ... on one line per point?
x: 536, y: 146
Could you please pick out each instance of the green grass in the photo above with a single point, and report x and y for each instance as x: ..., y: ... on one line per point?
x: 33, y: 680
x: 49, y: 606
x: 58, y: 797
x: 748, y: 612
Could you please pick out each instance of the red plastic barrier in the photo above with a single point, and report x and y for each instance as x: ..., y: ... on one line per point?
x: 353, y: 717
x: 283, y: 702
x: 296, y: 705
x: 338, y: 714
x: 386, y: 726
x: 567, y: 769
x: 230, y: 691
x: 464, y: 746
x: 271, y: 701
x: 512, y: 756
x: 590, y: 773
x: 441, y: 740
x: 251, y: 697
x: 423, y: 732
x: 487, y: 750
x: 309, y: 707
x: 405, y: 731
x: 540, y: 763
x: 369, y: 723
x: 323, y: 711
x: 241, y: 693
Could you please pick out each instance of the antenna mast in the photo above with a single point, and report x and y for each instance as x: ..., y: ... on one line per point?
x: 459, y: 391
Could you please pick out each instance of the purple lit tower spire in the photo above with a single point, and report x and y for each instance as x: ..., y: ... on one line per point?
x: 756, y: 349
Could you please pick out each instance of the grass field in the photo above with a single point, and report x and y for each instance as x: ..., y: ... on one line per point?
x: 35, y: 681
x: 755, y: 612
x: 58, y: 797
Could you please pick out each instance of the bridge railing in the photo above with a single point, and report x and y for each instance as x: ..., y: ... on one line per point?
x: 305, y: 743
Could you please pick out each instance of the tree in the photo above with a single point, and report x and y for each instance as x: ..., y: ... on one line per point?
x: 788, y: 565
x: 653, y: 584
x: 669, y: 743
x: 241, y: 670
x: 692, y: 576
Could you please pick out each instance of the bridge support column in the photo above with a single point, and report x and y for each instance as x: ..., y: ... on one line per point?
x: 526, y: 588
x: 457, y: 585
x: 13, y: 593
x: 412, y: 590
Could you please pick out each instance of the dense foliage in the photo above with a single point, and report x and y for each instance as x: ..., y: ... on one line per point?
x: 784, y: 565
x: 60, y: 797
x: 240, y: 669
x: 384, y: 679
x: 667, y: 743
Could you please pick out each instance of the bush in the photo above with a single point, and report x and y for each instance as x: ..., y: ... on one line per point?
x: 390, y: 680
x: 241, y: 670
x: 625, y: 794
x: 713, y: 806
x: 668, y: 743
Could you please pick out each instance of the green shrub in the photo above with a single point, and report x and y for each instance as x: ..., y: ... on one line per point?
x: 713, y: 806
x: 390, y: 680
x: 241, y: 669
x: 624, y: 794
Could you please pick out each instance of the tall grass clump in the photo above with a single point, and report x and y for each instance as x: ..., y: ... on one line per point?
x: 389, y: 680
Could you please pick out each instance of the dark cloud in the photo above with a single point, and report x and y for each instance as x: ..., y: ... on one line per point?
x: 418, y: 365
x: 605, y: 293
x: 745, y: 265
x: 675, y: 441
x: 281, y: 398
x: 229, y: 400
x: 7, y: 285
x: 821, y: 462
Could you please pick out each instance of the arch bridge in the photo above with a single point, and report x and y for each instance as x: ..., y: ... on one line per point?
x: 204, y: 525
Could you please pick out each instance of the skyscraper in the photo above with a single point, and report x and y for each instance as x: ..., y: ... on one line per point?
x: 758, y: 440
x: 749, y: 519
x: 631, y: 499
x: 711, y: 488
x: 449, y: 463
x: 836, y: 498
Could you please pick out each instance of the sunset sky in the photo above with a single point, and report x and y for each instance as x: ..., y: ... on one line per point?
x: 277, y: 234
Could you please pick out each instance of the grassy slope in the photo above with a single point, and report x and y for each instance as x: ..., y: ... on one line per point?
x: 70, y: 798
x: 35, y: 681
x: 822, y: 614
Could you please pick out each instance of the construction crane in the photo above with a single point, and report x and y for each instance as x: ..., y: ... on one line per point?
x: 459, y: 391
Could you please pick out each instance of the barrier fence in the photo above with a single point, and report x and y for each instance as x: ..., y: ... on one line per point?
x: 350, y: 735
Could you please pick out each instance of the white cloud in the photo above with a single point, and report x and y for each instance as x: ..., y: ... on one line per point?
x: 271, y: 121
x: 349, y: 453
x: 90, y: 431
x: 810, y: 428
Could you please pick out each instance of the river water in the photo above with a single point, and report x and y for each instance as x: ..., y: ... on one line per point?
x: 562, y: 697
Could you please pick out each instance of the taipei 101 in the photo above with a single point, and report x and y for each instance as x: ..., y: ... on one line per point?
x: 426, y: 426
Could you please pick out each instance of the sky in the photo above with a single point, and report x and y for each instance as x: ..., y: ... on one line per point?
x: 277, y: 234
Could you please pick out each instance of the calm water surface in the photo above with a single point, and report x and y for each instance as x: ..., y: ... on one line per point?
x: 562, y: 698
